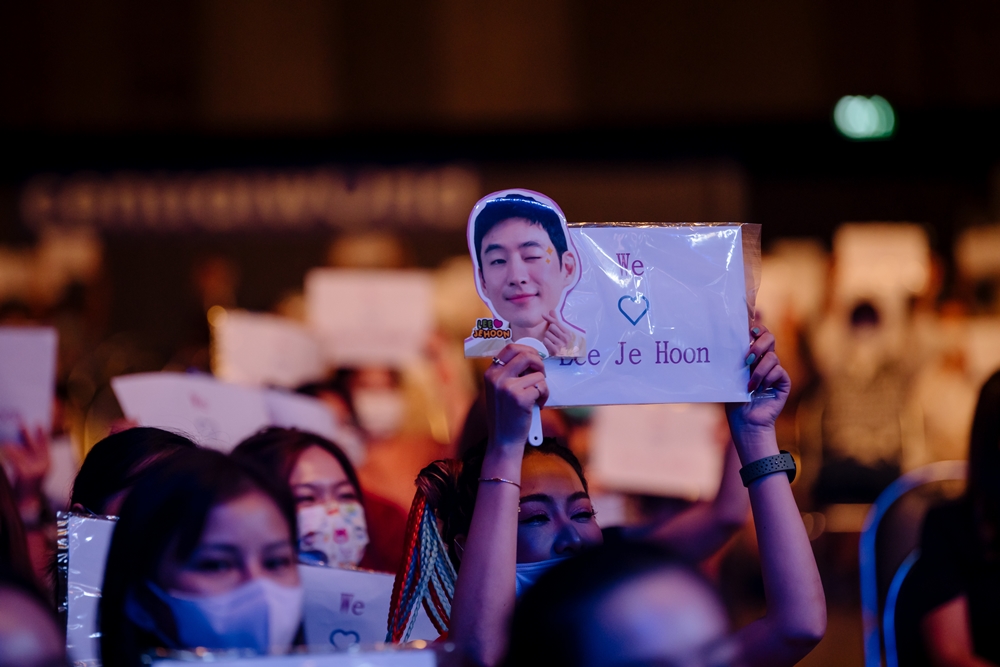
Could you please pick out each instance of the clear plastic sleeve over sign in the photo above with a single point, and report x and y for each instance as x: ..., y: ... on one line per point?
x: 666, y: 309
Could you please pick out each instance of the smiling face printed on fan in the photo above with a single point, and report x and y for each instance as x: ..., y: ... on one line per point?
x: 525, y: 265
x: 523, y: 275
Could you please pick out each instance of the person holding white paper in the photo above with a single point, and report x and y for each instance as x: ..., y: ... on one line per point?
x: 203, y: 555
x: 532, y: 511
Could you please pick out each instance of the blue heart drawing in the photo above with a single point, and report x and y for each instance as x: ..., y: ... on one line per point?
x: 634, y: 300
x: 344, y: 639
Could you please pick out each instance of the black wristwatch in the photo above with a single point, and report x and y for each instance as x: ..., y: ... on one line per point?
x: 782, y: 462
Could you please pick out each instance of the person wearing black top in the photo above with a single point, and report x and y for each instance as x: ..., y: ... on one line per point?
x: 958, y: 574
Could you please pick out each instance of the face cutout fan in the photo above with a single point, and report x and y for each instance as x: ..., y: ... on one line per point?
x: 525, y: 265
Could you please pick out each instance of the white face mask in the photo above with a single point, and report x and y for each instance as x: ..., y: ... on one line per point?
x: 261, y: 615
x: 528, y: 573
x: 337, y: 531
x: 379, y: 411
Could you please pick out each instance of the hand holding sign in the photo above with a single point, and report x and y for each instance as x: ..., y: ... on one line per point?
x: 515, y: 385
x: 770, y: 385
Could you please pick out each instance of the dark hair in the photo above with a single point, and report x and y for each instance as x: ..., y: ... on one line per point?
x: 983, y: 490
x: 551, y: 617
x: 115, y: 463
x: 14, y: 556
x: 276, y: 450
x: 339, y: 383
x: 451, y: 488
x: 168, y: 511
x: 518, y: 206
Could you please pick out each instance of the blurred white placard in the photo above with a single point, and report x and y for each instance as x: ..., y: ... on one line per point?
x: 302, y: 412
x: 290, y: 410
x: 671, y: 450
x: 214, y: 414
x: 383, y: 658
x: 370, y: 317
x: 977, y: 251
x: 263, y: 349
x: 877, y: 258
x: 88, y: 540
x: 344, y: 608
x: 27, y: 379
x: 982, y: 351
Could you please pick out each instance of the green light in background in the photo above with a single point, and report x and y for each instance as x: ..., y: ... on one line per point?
x: 859, y: 117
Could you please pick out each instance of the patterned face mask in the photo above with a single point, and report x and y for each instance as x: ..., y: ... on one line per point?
x: 333, y: 534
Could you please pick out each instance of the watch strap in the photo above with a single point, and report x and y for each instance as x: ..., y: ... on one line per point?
x: 782, y: 462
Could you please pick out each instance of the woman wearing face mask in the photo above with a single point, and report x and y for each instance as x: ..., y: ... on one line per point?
x: 203, y: 555
x: 532, y: 510
x: 333, y: 516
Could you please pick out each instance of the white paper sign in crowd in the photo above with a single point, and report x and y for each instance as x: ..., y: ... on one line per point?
x: 261, y: 349
x: 218, y: 414
x: 27, y: 379
x: 88, y: 540
x: 348, y: 607
x: 384, y: 658
x: 664, y: 311
x: 369, y: 317
x: 664, y: 450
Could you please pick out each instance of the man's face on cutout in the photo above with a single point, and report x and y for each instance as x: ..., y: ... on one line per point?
x: 521, y: 272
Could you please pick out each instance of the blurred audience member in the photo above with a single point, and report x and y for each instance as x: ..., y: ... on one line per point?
x: 202, y: 556
x: 958, y: 573
x: 14, y: 555
x: 943, y: 397
x: 338, y: 524
x: 114, y: 464
x: 622, y: 604
x: 389, y: 412
x: 865, y: 355
x: 29, y: 632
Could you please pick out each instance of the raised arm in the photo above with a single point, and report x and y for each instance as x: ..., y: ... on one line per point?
x: 702, y: 529
x: 484, y: 592
x: 796, y: 605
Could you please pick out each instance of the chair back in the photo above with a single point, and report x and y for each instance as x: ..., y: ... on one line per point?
x: 889, y: 546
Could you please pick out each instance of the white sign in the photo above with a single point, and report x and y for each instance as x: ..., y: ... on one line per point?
x: 384, y: 658
x: 873, y: 258
x: 663, y: 450
x: 88, y: 540
x: 262, y: 349
x: 305, y: 413
x: 370, y: 317
x: 27, y: 379
x: 214, y: 414
x: 343, y: 608
x: 664, y: 311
